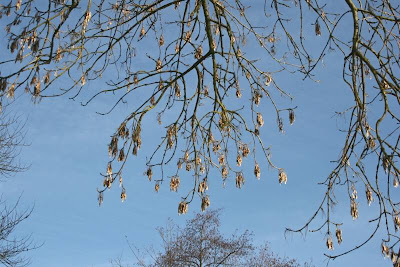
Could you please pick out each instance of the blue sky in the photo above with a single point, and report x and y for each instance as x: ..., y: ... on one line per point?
x: 68, y: 150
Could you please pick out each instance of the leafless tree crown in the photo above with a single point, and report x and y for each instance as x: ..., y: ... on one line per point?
x: 201, y: 244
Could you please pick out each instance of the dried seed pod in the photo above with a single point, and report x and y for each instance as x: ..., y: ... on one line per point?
x: 187, y: 36
x: 186, y: 158
x: 100, y: 198
x: 159, y: 65
x: 385, y: 250
x: 109, y: 169
x: 245, y: 151
x: 371, y: 143
x: 120, y: 180
x: 339, y: 235
x: 188, y: 166
x: 205, y: 203
x: 395, y: 181
x: 199, y: 52
x: 183, y: 208
x: 239, y: 53
x: 161, y: 41
x: 11, y: 91
x: 317, y: 29
x: 205, y: 92
x: 396, y: 222
x: 123, y: 195
x: 224, y: 172
x: 257, y: 171
x: 280, y: 125
x: 58, y: 53
x: 3, y: 84
x: 179, y: 164
x: 83, y: 80
x: 221, y: 159
x: 142, y: 33
x: 291, y: 117
x: 213, y: 45
x: 260, y: 120
x: 122, y: 131
x: 107, y: 182
x: 257, y: 98
x: 394, y: 258
x: 121, y: 155
x: 202, y: 186
x: 238, y: 93
x: 198, y: 160
x: 216, y: 147
x: 354, y: 194
x: 268, y: 80
x: 202, y: 169
x: 282, y: 176
x: 177, y: 90
x: 368, y: 194
x: 47, y: 77
x: 18, y: 5
x: 329, y: 243
x: 149, y: 173
x: 239, y: 180
x: 354, y: 209
x: 239, y: 160
x: 174, y: 183
x: 157, y: 187
x: 36, y: 89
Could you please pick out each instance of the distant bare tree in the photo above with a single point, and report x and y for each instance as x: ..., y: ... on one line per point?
x: 12, y: 247
x: 184, y: 63
x: 11, y: 141
x: 201, y: 244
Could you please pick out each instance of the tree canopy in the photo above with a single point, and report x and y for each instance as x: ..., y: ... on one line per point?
x: 200, y: 243
x: 186, y: 62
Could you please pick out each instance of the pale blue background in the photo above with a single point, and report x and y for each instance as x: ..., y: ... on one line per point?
x: 69, y: 149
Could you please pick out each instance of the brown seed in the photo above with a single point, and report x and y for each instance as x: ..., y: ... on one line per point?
x: 257, y: 171
x: 159, y: 65
x: 205, y: 203
x: 109, y: 169
x: 291, y: 116
x: 224, y: 172
x: 239, y: 180
x: 385, y: 250
x: 149, y: 173
x: 282, y: 176
x: 202, y: 186
x: 239, y: 160
x: 123, y: 195
x: 221, y: 159
x: 142, y: 32
x: 317, y: 29
x: 174, y: 183
x: 339, y: 236
x: 353, y: 209
x: 260, y: 120
x: 368, y: 194
x: 183, y: 208
x: 329, y: 243
x: 161, y: 41
x: 238, y: 93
